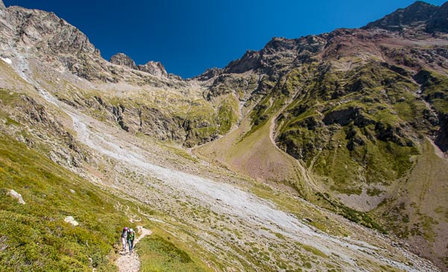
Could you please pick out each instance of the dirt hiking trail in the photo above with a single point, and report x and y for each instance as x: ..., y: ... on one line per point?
x: 130, y: 262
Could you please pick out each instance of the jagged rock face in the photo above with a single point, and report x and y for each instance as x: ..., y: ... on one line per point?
x: 278, y: 56
x: 250, y: 61
x: 42, y: 35
x: 2, y: 5
x: 154, y: 68
x: 415, y: 14
x: 123, y: 60
x: 420, y: 16
x: 439, y: 21
x: 44, y: 31
x: 146, y: 120
x: 52, y: 40
x: 209, y: 73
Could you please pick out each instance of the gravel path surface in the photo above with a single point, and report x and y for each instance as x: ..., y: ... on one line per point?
x: 129, y: 262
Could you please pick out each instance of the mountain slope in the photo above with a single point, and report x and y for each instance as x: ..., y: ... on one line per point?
x: 353, y: 109
x: 213, y: 223
x: 353, y: 121
x: 408, y: 17
x: 34, y: 236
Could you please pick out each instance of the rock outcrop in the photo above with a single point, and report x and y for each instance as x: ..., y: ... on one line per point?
x: 209, y: 73
x: 154, y: 68
x: 17, y: 196
x: 439, y: 21
x: 419, y: 16
x: 417, y: 13
x: 123, y: 60
x: 71, y: 221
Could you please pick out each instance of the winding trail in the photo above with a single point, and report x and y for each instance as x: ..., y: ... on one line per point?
x: 304, y: 173
x: 130, y: 262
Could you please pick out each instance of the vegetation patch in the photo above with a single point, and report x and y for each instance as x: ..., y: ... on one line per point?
x: 34, y: 235
x: 349, y: 213
x: 159, y: 254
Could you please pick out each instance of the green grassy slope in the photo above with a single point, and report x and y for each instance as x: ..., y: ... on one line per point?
x: 34, y: 236
x: 418, y: 212
x: 163, y: 252
x: 355, y: 127
x: 360, y: 133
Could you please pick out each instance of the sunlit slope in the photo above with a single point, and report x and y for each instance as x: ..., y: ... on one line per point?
x: 417, y: 209
x: 34, y: 236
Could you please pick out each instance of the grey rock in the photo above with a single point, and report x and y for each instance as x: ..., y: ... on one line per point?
x: 17, y: 196
x: 154, y: 68
x: 123, y: 60
x: 209, y: 73
x: 71, y: 220
x: 439, y: 21
x: 250, y: 61
x: 420, y: 15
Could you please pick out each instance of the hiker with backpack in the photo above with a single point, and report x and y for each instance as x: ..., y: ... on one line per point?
x: 130, y: 239
x: 124, y: 235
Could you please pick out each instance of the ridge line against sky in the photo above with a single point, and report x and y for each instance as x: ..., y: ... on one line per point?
x: 189, y: 37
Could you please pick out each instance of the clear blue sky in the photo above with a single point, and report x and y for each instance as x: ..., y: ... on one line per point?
x: 191, y: 36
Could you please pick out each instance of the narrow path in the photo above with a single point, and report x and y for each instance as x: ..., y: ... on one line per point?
x: 300, y: 168
x: 130, y: 262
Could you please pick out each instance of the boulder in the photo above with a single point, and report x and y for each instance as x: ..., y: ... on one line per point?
x: 71, y: 220
x: 17, y: 196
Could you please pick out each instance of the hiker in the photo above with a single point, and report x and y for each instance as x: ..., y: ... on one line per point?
x: 130, y: 238
x: 124, y: 235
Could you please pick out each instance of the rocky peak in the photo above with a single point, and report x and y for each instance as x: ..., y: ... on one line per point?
x: 416, y: 14
x: 154, y: 68
x: 44, y: 31
x: 279, y: 44
x: 123, y: 60
x: 250, y: 61
x: 439, y: 21
x: 2, y: 5
x: 209, y: 73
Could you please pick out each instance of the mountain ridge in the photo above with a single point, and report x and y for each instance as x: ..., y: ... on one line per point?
x: 353, y: 121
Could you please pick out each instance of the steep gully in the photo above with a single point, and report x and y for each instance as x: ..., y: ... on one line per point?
x: 234, y: 201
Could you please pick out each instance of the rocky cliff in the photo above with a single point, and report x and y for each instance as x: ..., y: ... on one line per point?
x: 151, y: 67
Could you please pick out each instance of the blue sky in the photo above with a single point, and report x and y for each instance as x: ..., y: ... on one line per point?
x: 191, y: 36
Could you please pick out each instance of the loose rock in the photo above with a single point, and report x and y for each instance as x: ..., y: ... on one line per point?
x: 17, y: 196
x: 71, y: 220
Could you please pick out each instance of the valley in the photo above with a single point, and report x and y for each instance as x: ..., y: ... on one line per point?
x: 326, y: 152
